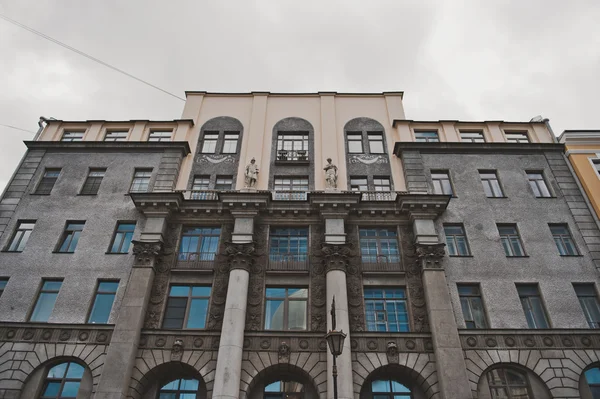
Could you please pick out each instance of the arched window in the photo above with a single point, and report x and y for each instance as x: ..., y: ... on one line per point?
x: 180, y: 389
x: 508, y: 383
x: 62, y: 381
x: 592, y: 377
x: 389, y: 389
x: 284, y: 390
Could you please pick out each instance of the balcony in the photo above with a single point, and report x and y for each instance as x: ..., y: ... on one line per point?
x: 288, y: 262
x: 201, y: 195
x: 296, y: 157
x: 378, y: 196
x: 195, y: 261
x: 381, y: 263
x: 289, y: 195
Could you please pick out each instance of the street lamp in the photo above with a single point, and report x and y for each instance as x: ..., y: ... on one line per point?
x: 335, y: 340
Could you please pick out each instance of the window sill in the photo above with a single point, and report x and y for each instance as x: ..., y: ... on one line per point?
x: 496, y: 197
x: 59, y: 252
x: 546, y: 197
x: 460, y: 256
x: 6, y: 251
x: 522, y: 256
x: 40, y: 194
x: 303, y: 162
x: 571, y: 256
x: 116, y: 253
x: 86, y: 195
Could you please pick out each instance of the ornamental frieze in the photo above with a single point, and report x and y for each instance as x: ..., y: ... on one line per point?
x: 19, y: 332
x: 519, y: 340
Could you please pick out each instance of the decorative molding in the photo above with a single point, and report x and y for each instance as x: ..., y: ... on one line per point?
x: 29, y: 332
x: 204, y: 340
x: 241, y: 256
x: 336, y: 256
x: 146, y: 252
x: 177, y: 350
x: 391, y: 343
x: 318, y: 311
x: 491, y: 339
x: 392, y: 352
x: 256, y: 283
x: 283, y: 353
x: 214, y: 159
x: 430, y: 256
x: 369, y: 159
x: 220, y: 284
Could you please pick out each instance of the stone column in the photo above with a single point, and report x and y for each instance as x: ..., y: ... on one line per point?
x: 449, y: 357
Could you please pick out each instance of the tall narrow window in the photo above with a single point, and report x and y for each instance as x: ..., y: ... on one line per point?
x: 93, y: 181
x: 379, y: 245
x: 538, y: 185
x: 21, y: 236
x: 103, y: 302
x: 491, y: 185
x: 3, y: 282
x: 382, y: 183
x: 180, y: 389
x: 286, y: 309
x: 288, y: 244
x: 532, y: 306
x: 72, y: 136
x: 589, y: 303
x: 472, y: 305
x: 355, y: 145
x: 70, y: 237
x: 292, y: 183
x: 376, y: 143
x: 116, y: 135
x: 441, y: 182
x: 187, y: 306
x: 456, y: 240
x: 386, y: 309
x: 141, y: 181
x: 563, y: 240
x: 122, y: 239
x: 511, y: 240
x: 516, y: 137
x: 48, y: 180
x: 63, y: 381
x: 358, y: 183
x: 45, y: 301
x: 160, y: 135
x: 292, y: 146
x: 427, y: 137
x: 209, y: 142
x: 472, y: 137
x: 230, y: 143
x: 199, y: 243
x: 224, y: 183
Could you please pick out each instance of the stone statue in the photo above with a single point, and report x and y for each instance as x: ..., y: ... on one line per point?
x: 251, y: 174
x: 331, y: 175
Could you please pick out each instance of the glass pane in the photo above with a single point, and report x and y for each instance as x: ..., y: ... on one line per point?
x: 187, y: 396
x: 108, y: 286
x: 75, y: 371
x: 273, y: 387
x: 297, y: 315
x: 380, y: 386
x: 180, y: 290
x: 101, y: 309
x: 539, y: 314
x: 168, y: 396
x: 189, y: 385
x: 399, y: 388
x: 592, y: 376
x: 70, y: 389
x: 58, y: 371
x: 275, y: 292
x: 44, y: 306
x: 298, y: 292
x: 171, y: 386
x: 201, y: 291
x: 52, y: 389
x: 466, y: 309
x: 197, y: 315
x: 274, y: 315
x: 51, y: 285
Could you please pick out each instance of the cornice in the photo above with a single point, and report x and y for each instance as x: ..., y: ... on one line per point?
x: 396, y: 121
x: 109, y: 146
x: 477, y: 148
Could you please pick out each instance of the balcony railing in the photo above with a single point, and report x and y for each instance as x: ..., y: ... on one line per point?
x: 201, y: 195
x: 196, y: 260
x: 381, y: 263
x: 292, y: 155
x: 288, y: 262
x: 379, y: 195
x: 289, y: 195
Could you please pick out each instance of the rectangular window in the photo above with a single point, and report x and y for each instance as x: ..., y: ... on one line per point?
x: 379, y: 245
x: 230, y: 143
x: 589, y: 303
x: 103, y: 302
x: 386, y: 309
x: 21, y: 236
x: 92, y: 182
x: 375, y: 142
x: 292, y: 146
x: 122, y: 239
x: 564, y: 241
x: 292, y: 183
x: 201, y: 182
x: 511, y: 240
x: 209, y: 142
x: 224, y: 183
x: 355, y: 145
x: 516, y: 137
x: 160, y: 135
x: 3, y: 282
x: 472, y: 137
x: 358, y: 183
x: 286, y: 309
x: 382, y: 183
x: 141, y: 181
x: 491, y: 185
x: 427, y: 136
x: 538, y: 185
x: 199, y: 243
x: 48, y: 180
x: 45, y: 301
x: 441, y: 182
x: 288, y: 244
x: 70, y: 237
x: 596, y: 164
x: 72, y: 136
x: 532, y: 305
x: 116, y: 135
x: 456, y: 240
x: 472, y: 305
x: 187, y: 307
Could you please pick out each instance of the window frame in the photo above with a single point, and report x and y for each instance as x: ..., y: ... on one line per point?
x: 286, y: 306
x: 3, y: 284
x: 93, y: 184
x: 65, y: 235
x: 358, y: 134
x: 382, y: 178
x: 116, y: 232
x: 391, y: 394
x: 20, y: 239
x: 205, y: 180
x: 469, y: 299
x: 189, y: 299
x: 433, y: 180
x: 542, y: 305
x: 204, y: 141
x: 595, y: 162
x: 584, y: 307
x: 95, y: 298
x: 41, y: 291
x: 201, y: 236
x: 178, y: 392
x: 510, y: 237
x: 506, y: 385
x: 41, y: 183
x: 390, y: 258
x: 116, y: 139
x: 355, y: 178
x: 370, y: 141
x: 523, y: 133
x: 161, y: 135
x: 286, y: 256
x: 385, y: 299
x: 530, y: 180
x: 67, y: 132
x: 149, y: 184
x: 284, y: 136
x: 563, y: 238
x: 427, y: 139
x: 62, y: 380
x: 226, y: 140
x: 224, y: 177
x: 455, y: 243
x: 291, y: 186
x: 489, y: 181
x: 471, y: 140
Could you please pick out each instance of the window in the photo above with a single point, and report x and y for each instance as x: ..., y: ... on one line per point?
x: 45, y: 301
x: 508, y: 383
x: 103, y: 302
x: 292, y: 183
x: 358, y: 183
x: 427, y: 137
x: 209, y: 142
x: 48, y: 181
x: 441, y: 182
x: 589, y: 303
x: 596, y: 164
x: 386, y: 309
x: 491, y: 185
x: 284, y: 390
x: 3, y: 282
x: 70, y: 237
x: 375, y: 143
x: 160, y: 135
x: 72, y: 136
x: 379, y: 245
x: 187, y: 306
x: 355, y: 145
x: 199, y: 243
x: 224, y: 183
x: 141, y: 181
x: 230, y: 143
x: 116, y: 135
x: 472, y: 137
x: 564, y: 241
x: 288, y: 244
x: 472, y: 305
x: 516, y: 137
x: 286, y: 308
x: 538, y: 185
x: 92, y: 183
x: 122, y: 239
x: 389, y: 389
x: 456, y: 240
x: 511, y: 241
x: 592, y: 377
x: 292, y: 146
x: 201, y: 182
x: 532, y: 306
x: 19, y: 240
x: 180, y: 389
x: 382, y: 183
x: 63, y: 381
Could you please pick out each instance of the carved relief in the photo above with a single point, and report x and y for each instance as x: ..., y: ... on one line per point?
x: 318, y: 320
x: 214, y: 159
x: 220, y: 283
x: 368, y: 159
x: 146, y: 252
x: 392, y: 352
x: 177, y: 350
x: 414, y: 283
x: 430, y: 256
x: 283, y: 353
x: 257, y: 281
x: 354, y: 285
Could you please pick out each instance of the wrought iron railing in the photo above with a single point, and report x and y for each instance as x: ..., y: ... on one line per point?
x: 289, y: 195
x: 202, y: 195
x: 196, y: 260
x: 379, y: 195
x: 292, y: 155
x: 381, y: 263
x: 288, y: 262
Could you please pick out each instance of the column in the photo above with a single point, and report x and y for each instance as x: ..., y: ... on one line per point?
x: 449, y: 357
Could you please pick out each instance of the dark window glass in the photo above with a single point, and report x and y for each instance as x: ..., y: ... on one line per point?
x: 516, y: 137
x: 70, y: 237
x: 103, y: 302
x: 286, y: 308
x: 472, y: 305
x: 163, y: 135
x: 456, y: 240
x: 355, y: 145
x: 230, y: 143
x: 292, y: 183
x: 382, y: 183
x: 187, y: 306
x: 45, y: 301
x: 427, y: 137
x: 284, y: 390
x: 199, y: 243
x: 201, y: 182
x: 589, y: 303
x: 441, y: 183
x: 563, y: 240
x: 123, y: 236
x: 491, y: 185
x: 224, y: 183
x: 511, y: 241
x: 63, y: 381
x: 532, y: 306
x: 288, y: 244
x: 3, y: 282
x: 389, y: 389
x: 72, y: 136
x: 376, y: 143
x: 116, y: 136
x: 592, y: 377
x: 386, y: 309
x: 472, y: 137
x: 538, y: 184
x: 292, y: 146
x: 180, y: 389
x: 358, y: 183
x: 93, y: 181
x: 141, y: 181
x: 379, y: 245
x: 596, y: 165
x: 209, y: 142
x: 21, y: 236
x: 48, y: 181
x: 507, y: 383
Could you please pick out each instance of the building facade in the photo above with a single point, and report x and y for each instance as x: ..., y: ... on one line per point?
x: 199, y: 257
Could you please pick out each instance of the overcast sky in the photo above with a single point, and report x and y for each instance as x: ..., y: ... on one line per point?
x: 467, y: 60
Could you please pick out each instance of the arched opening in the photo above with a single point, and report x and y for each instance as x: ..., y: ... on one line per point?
x: 282, y: 381
x: 284, y: 390
x: 173, y: 380
x: 511, y: 381
x: 180, y: 388
x: 589, y: 383
x: 394, y: 382
x: 57, y: 379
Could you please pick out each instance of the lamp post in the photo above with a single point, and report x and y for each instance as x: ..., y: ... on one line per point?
x: 335, y: 340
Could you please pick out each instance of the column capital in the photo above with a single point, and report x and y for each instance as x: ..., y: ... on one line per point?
x: 430, y: 256
x: 336, y: 256
x: 146, y: 252
x: 241, y: 256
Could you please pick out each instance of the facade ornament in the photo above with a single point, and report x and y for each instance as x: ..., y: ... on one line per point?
x: 177, y: 350
x: 146, y: 252
x: 336, y: 256
x: 392, y: 352
x: 251, y: 174
x: 331, y: 175
x: 283, y: 353
x: 430, y: 255
x: 240, y: 256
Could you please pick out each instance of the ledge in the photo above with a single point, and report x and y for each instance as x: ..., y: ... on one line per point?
x: 110, y: 146
x: 476, y: 148
x: 530, y: 338
x: 56, y: 333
